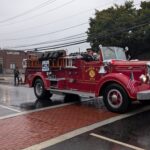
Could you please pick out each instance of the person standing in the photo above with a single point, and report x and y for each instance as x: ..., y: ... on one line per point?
x: 16, y: 76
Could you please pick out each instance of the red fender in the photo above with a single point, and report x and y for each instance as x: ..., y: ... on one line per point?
x: 43, y: 77
x: 123, y: 80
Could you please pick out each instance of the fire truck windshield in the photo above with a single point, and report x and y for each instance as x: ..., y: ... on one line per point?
x: 116, y: 53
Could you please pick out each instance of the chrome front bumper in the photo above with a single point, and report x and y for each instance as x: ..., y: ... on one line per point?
x: 143, y: 95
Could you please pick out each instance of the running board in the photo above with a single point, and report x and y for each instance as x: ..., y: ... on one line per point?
x: 81, y: 94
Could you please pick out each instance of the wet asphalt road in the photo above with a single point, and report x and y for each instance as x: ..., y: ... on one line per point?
x: 15, y: 95
x: 14, y: 99
x: 134, y: 130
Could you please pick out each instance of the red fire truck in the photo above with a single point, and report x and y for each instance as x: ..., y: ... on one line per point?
x: 111, y: 75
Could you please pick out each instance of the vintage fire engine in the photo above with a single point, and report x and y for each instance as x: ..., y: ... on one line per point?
x: 110, y: 75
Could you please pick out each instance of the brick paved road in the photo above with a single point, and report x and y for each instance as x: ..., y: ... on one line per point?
x: 26, y: 130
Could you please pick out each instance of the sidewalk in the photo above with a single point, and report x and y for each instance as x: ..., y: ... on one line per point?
x: 6, y: 79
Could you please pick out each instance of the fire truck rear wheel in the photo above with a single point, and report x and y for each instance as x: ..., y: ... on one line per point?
x: 40, y: 91
x: 116, y: 98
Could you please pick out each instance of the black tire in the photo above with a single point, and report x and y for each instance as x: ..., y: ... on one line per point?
x: 71, y: 98
x: 48, y: 94
x: 116, y: 98
x: 40, y: 91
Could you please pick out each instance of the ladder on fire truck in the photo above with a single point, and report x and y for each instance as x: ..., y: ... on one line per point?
x: 56, y: 59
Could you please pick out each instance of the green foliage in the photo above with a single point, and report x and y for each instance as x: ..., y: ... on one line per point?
x: 121, y: 26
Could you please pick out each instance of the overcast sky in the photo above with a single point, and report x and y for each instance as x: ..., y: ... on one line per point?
x: 31, y: 22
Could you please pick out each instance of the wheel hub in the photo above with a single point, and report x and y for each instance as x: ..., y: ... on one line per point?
x: 114, y: 98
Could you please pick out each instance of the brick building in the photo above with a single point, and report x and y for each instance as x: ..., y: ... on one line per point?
x: 9, y: 59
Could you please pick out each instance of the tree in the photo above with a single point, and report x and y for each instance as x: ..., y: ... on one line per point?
x: 121, y: 26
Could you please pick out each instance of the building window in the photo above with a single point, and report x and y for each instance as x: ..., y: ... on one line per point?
x: 12, y: 66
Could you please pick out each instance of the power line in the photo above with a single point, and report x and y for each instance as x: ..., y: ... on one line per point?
x: 32, y: 17
x: 29, y: 11
x: 38, y: 26
x: 54, y: 41
x: 62, y: 19
x: 44, y: 34
x: 62, y: 45
x: 69, y: 44
x: 59, y: 46
x: 79, y: 13
x: 99, y: 36
x: 123, y: 30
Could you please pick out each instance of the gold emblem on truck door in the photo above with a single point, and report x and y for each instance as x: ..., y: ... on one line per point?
x: 92, y: 73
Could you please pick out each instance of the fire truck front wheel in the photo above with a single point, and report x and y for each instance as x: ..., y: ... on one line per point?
x: 40, y: 91
x: 116, y: 98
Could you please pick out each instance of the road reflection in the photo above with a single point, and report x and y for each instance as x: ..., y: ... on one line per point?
x: 40, y: 103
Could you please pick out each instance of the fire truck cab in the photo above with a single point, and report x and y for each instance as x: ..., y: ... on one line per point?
x: 108, y: 74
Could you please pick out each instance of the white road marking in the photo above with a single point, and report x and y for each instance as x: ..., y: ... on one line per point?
x: 116, y: 142
x: 77, y: 132
x: 10, y: 108
x: 36, y: 110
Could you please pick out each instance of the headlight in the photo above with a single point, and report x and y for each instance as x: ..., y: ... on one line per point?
x: 143, y: 78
